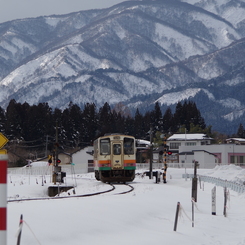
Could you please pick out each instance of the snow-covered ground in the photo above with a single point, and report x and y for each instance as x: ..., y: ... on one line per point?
x: 142, y: 217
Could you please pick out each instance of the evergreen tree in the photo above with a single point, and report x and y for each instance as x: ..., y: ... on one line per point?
x: 14, y: 120
x: 71, y: 123
x: 105, y: 119
x: 178, y: 118
x: 117, y: 122
x: 138, y: 125
x: 129, y: 126
x: 168, y: 121
x: 187, y: 114
x: 38, y: 123
x: 2, y: 120
x: 157, y: 118
x: 89, y: 128
x: 240, y: 131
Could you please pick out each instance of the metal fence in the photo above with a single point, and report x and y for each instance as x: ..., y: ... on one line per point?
x: 238, y: 187
x: 69, y: 169
x: 235, y: 186
x: 47, y: 170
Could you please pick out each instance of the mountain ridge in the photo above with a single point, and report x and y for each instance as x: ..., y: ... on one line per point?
x: 135, y: 49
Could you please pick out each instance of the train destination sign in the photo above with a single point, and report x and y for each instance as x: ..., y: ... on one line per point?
x: 3, y: 140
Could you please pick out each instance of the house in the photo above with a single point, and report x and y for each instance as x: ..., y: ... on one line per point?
x: 177, y: 140
x: 205, y: 159
x: 224, y: 153
x: 188, y: 148
x: 237, y: 141
x: 83, y: 159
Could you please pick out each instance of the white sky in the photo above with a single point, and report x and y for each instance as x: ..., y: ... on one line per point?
x: 18, y: 9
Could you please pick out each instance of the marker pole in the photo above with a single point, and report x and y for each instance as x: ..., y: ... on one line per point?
x: 3, y: 198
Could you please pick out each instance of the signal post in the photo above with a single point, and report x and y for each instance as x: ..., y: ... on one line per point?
x: 58, y: 175
x: 165, y: 152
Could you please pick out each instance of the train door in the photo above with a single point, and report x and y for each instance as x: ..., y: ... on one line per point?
x: 117, y: 151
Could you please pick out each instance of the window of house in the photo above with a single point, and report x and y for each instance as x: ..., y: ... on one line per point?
x: 175, y: 145
x: 242, y: 159
x: 190, y: 143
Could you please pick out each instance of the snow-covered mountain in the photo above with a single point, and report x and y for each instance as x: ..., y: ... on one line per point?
x: 136, y: 52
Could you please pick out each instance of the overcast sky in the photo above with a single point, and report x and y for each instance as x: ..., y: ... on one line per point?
x: 18, y: 9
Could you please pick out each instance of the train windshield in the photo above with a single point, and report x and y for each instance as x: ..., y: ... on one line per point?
x: 117, y: 149
x: 128, y: 146
x: 105, y: 147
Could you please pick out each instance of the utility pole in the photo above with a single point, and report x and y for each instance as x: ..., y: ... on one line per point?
x: 57, y: 169
x: 151, y: 152
x: 165, y: 160
x: 46, y: 148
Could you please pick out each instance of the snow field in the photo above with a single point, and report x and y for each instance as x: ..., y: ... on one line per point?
x: 144, y: 216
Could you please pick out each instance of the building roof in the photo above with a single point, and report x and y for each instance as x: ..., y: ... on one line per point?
x: 193, y: 151
x: 235, y: 139
x: 143, y: 142
x: 188, y: 137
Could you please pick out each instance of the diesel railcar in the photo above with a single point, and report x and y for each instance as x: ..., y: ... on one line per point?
x: 115, y: 158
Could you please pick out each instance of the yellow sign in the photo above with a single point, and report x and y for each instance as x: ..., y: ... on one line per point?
x: 3, y: 140
x: 3, y: 151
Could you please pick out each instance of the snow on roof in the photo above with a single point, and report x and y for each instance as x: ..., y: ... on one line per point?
x: 188, y: 137
x: 236, y: 139
x: 37, y: 164
x: 143, y: 142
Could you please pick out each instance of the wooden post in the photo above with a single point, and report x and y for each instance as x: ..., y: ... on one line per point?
x: 176, y: 216
x: 20, y: 229
x: 194, y: 183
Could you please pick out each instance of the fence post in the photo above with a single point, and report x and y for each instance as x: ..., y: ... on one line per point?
x: 176, y: 216
x: 194, y: 183
x: 214, y: 201
x: 20, y: 229
x: 225, y: 201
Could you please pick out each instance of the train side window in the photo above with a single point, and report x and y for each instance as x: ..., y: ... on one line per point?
x: 105, y: 147
x: 128, y: 144
x: 116, y: 149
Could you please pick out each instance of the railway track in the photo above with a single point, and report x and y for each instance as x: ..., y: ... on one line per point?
x: 117, y: 188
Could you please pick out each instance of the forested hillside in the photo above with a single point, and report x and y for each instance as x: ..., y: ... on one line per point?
x: 32, y: 128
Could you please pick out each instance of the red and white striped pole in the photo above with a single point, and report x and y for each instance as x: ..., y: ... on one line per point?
x: 3, y: 198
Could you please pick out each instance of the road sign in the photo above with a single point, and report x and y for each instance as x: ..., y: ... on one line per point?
x: 3, y: 151
x: 3, y: 140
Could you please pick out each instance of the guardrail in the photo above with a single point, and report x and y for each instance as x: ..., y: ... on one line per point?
x: 234, y: 186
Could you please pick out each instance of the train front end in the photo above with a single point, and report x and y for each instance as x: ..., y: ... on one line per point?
x: 115, y: 158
